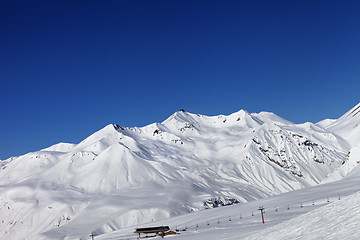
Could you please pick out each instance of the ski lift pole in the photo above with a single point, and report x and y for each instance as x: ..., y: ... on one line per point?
x: 262, y: 210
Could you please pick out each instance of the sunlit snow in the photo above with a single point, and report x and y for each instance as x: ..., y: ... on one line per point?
x: 119, y: 178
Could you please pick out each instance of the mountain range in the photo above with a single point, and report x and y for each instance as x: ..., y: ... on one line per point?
x: 121, y: 177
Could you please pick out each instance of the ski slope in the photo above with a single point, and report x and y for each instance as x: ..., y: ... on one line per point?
x: 328, y: 211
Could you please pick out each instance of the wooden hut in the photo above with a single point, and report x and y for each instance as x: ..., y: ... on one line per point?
x: 161, y: 231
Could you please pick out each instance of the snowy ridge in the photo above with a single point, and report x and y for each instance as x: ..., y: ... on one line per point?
x: 127, y: 176
x: 348, y: 126
x: 354, y: 111
x: 60, y: 147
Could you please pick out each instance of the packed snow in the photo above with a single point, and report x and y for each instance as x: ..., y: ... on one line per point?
x: 328, y: 211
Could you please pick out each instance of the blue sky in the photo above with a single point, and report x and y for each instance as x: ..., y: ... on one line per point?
x: 69, y: 68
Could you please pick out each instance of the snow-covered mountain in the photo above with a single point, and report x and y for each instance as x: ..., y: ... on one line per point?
x: 348, y: 126
x: 119, y: 177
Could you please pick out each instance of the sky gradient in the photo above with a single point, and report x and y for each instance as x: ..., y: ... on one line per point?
x: 69, y: 68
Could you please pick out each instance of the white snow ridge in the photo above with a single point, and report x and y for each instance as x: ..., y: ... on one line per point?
x: 169, y: 173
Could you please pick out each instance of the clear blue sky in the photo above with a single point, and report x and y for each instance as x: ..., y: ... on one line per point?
x: 69, y: 68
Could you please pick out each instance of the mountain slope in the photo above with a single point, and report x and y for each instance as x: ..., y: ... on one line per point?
x: 348, y: 126
x: 309, y: 213
x: 120, y: 177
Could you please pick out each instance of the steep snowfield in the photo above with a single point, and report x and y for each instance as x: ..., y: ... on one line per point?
x: 120, y: 177
x: 348, y: 126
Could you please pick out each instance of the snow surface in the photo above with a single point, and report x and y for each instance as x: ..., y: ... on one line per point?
x: 348, y: 126
x: 119, y: 177
x: 337, y: 220
x: 328, y: 211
